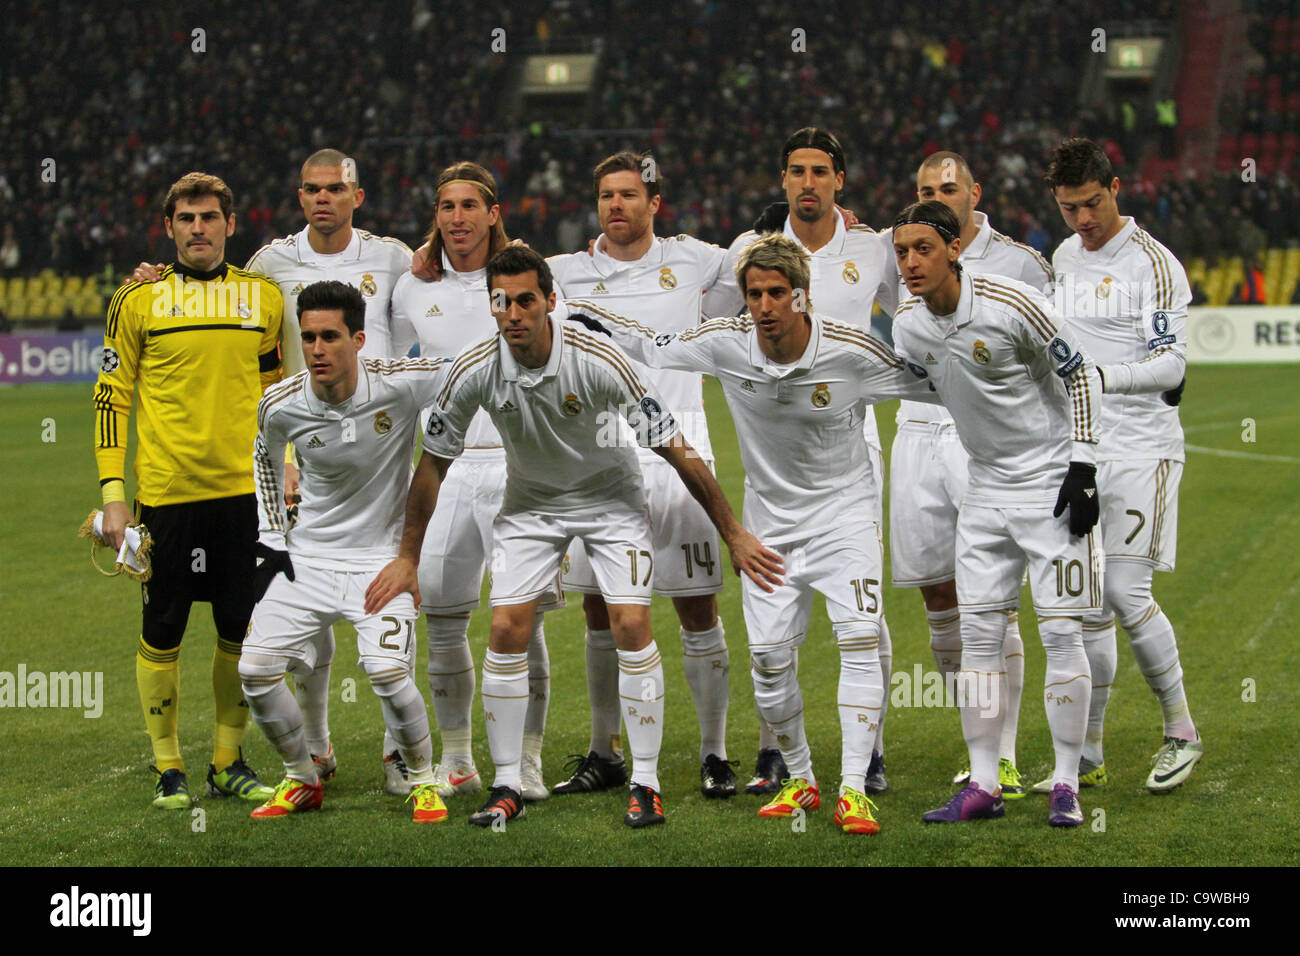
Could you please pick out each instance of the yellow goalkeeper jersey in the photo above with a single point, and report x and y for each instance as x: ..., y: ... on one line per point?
x: 200, y: 348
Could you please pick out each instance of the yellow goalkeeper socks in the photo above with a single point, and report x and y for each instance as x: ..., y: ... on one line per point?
x: 157, y: 675
x: 232, y: 710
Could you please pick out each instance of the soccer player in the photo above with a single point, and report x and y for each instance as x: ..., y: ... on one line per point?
x: 556, y: 394
x: 1024, y: 399
x: 198, y: 345
x: 658, y: 281
x: 352, y: 421
x: 330, y: 248
x: 928, y: 466
x: 798, y: 384
x: 851, y: 270
x: 444, y: 317
x: 1129, y: 297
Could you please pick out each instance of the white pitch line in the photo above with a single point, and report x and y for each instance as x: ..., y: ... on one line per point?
x: 1253, y: 456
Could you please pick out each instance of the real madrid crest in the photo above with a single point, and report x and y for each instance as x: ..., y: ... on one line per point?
x: 368, y: 285
x: 1103, y: 288
x: 981, y: 352
x: 821, y: 396
x: 666, y: 278
x: 850, y: 273
x: 571, y: 406
x: 383, y: 424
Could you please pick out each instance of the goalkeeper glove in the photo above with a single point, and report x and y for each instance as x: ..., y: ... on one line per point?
x: 270, y: 562
x: 772, y: 219
x: 589, y: 321
x: 1174, y: 395
x: 1079, y: 492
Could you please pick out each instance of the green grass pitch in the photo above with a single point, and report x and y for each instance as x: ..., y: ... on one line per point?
x: 75, y: 791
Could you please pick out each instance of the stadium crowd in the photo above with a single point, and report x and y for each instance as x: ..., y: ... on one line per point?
x: 709, y: 86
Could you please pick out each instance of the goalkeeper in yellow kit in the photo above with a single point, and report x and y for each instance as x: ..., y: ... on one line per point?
x: 198, y: 345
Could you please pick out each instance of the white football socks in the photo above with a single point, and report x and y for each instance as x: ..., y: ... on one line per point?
x: 505, y: 703
x: 314, y: 694
x: 275, y: 710
x: 780, y: 702
x: 451, y: 684
x: 1013, y: 654
x: 1067, y: 690
x: 539, y: 689
x: 641, y: 689
x: 602, y: 693
x: 886, y: 654
x: 1103, y: 661
x: 861, y: 698
x: 707, y: 664
x: 404, y: 715
x: 981, y: 692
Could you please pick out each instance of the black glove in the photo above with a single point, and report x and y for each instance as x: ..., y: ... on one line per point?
x: 590, y: 322
x: 1174, y: 395
x: 270, y: 562
x: 772, y: 219
x: 1079, y: 491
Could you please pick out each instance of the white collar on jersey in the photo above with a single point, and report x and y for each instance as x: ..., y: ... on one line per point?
x: 307, y: 254
x: 979, y: 246
x: 962, y: 316
x: 607, y: 265
x: 805, y: 362
x: 472, y: 277
x: 512, y: 371
x: 832, y: 248
x: 1111, y: 249
x: 359, y: 397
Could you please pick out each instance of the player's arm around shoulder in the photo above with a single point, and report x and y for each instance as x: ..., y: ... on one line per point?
x: 881, y: 372
x: 687, y: 351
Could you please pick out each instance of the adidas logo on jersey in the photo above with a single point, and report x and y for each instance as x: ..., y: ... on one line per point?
x: 296, y: 290
x: 748, y: 386
x: 930, y: 359
x: 433, y: 312
x: 315, y: 442
x: 600, y: 289
x: 508, y: 406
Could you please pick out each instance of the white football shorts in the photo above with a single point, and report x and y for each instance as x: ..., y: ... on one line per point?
x: 458, y: 542
x: 844, y: 565
x: 929, y: 472
x: 529, y: 548
x: 291, y: 618
x: 1139, y: 510
x: 688, y: 560
x: 994, y: 544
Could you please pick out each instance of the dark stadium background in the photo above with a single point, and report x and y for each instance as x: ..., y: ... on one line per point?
x: 114, y: 93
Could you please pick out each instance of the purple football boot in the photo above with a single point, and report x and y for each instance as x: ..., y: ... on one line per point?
x: 972, y: 803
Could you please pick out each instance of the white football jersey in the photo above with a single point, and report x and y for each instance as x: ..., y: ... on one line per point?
x: 354, y: 458
x: 560, y: 424
x: 799, y: 426
x: 445, y: 317
x: 1128, y: 303
x: 370, y: 263
x: 663, y: 288
x: 1022, y: 393
x: 989, y: 254
x: 848, y: 276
